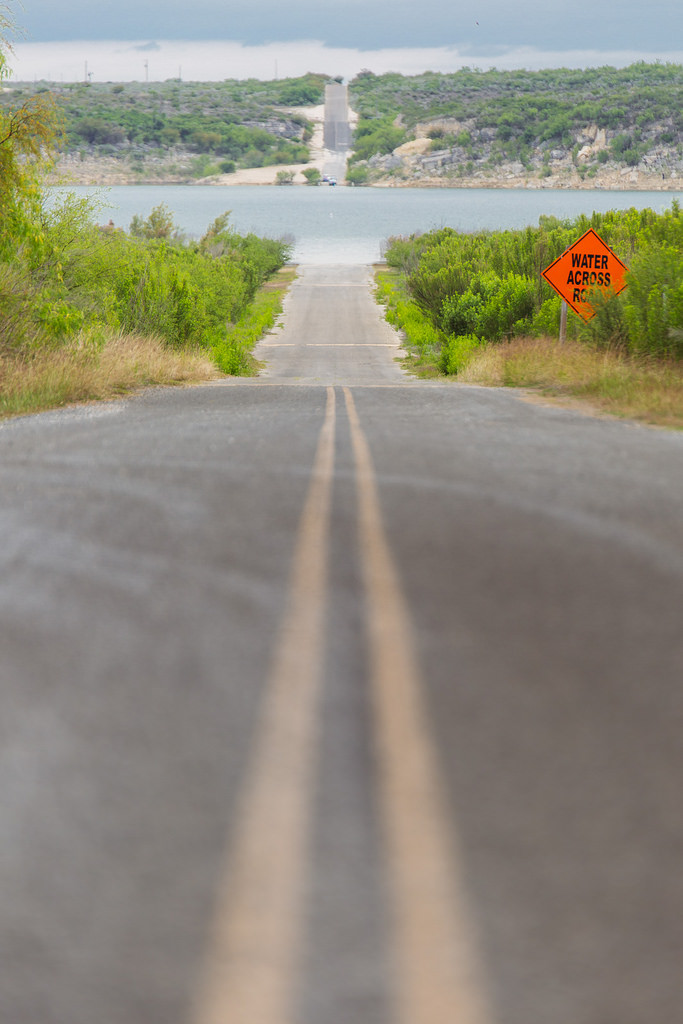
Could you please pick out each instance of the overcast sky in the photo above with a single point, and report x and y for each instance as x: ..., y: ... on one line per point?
x: 411, y: 35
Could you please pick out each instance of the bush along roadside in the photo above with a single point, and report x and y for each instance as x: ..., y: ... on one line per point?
x: 72, y: 294
x: 232, y: 354
x: 86, y: 311
x: 422, y: 339
x: 464, y: 296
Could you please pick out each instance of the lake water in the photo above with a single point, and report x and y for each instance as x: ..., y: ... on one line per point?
x: 350, y: 225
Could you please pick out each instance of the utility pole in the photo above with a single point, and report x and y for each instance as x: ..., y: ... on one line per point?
x: 147, y: 71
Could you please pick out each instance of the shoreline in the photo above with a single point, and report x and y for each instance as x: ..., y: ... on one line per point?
x: 106, y: 178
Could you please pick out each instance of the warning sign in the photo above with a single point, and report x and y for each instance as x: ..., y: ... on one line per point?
x: 587, y: 265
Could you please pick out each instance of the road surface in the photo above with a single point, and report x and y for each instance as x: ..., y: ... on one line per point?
x: 337, y: 138
x: 335, y: 696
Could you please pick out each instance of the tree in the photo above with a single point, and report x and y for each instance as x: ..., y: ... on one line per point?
x: 312, y: 175
x: 28, y: 137
x: 357, y: 175
x: 158, y: 225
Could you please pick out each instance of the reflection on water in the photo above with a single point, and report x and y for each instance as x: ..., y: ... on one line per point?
x: 350, y: 225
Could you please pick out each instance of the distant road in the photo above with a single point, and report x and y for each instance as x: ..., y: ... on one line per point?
x: 333, y: 332
x: 338, y: 696
x: 337, y: 130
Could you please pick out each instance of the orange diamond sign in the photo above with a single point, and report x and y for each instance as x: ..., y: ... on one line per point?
x: 587, y: 265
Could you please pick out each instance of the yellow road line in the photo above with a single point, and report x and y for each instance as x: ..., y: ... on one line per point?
x: 255, y: 950
x: 437, y: 978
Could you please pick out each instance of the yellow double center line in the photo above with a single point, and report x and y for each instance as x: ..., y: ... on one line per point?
x: 436, y: 974
x: 255, y: 954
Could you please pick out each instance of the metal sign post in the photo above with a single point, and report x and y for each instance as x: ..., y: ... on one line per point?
x: 563, y: 321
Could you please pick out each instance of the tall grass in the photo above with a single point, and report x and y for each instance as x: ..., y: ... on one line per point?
x: 642, y: 388
x: 85, y: 370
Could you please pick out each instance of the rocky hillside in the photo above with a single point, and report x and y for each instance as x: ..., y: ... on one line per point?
x: 602, y: 127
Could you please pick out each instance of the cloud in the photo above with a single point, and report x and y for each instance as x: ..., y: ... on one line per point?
x: 480, y: 25
x: 213, y: 61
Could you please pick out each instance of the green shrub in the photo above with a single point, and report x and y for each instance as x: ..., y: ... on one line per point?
x: 489, y: 283
x: 457, y: 351
x: 159, y: 224
x: 76, y: 279
x: 376, y: 136
x: 419, y: 332
x: 357, y: 175
x: 232, y: 351
x: 422, y: 339
x: 491, y: 307
x: 653, y: 303
x: 546, y: 319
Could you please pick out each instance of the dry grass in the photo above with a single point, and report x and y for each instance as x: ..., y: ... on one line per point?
x: 281, y: 281
x: 647, y: 390
x: 86, y: 370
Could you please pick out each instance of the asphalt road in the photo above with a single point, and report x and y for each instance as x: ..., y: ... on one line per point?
x: 335, y: 696
x: 336, y: 130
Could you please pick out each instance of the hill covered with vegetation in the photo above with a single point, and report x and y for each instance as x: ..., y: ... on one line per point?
x: 607, y: 127
x: 179, y: 130
x: 556, y: 126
